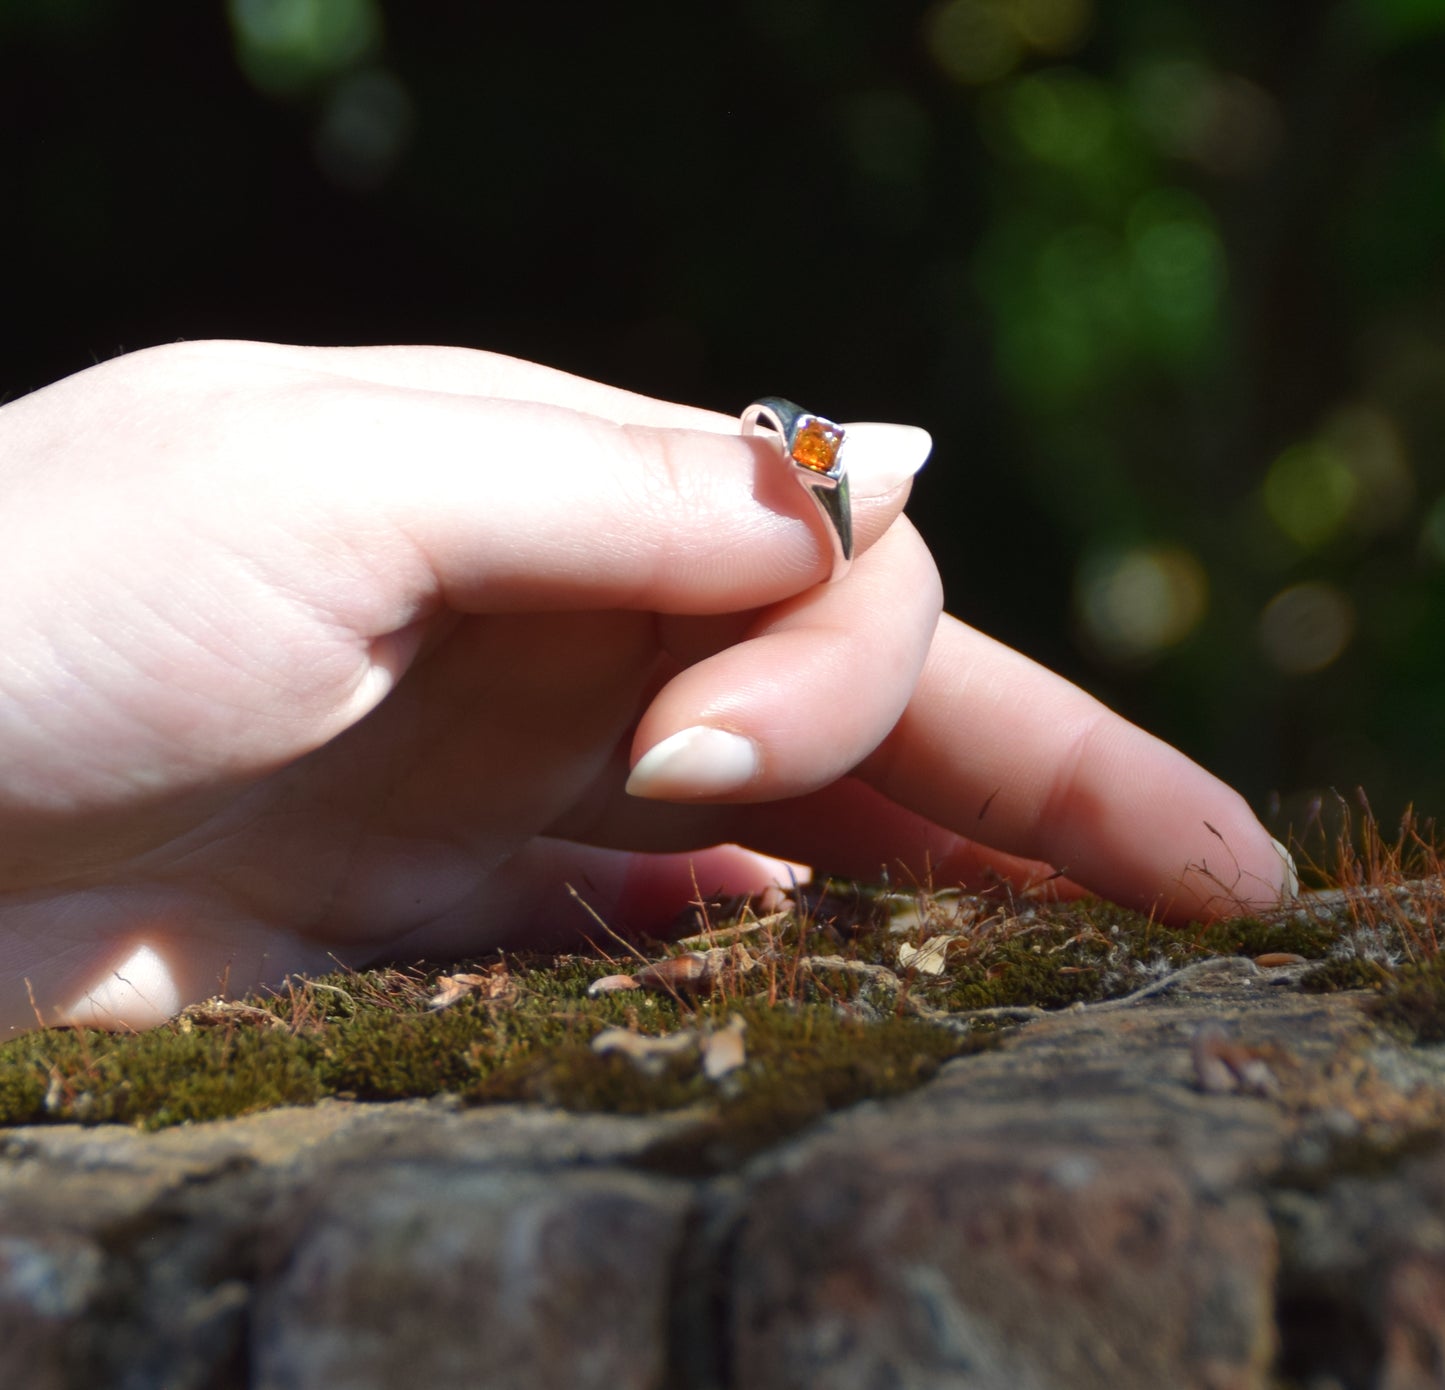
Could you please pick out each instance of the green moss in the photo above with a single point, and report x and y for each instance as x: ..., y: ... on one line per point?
x: 1413, y: 1001
x: 154, y: 1079
x: 378, y: 1056
x: 1078, y: 953
x: 575, y: 1077
x: 1346, y: 973
x: 804, y: 1062
x: 1299, y: 935
x: 818, y: 1036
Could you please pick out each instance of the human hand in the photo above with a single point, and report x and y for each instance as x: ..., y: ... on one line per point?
x: 345, y: 654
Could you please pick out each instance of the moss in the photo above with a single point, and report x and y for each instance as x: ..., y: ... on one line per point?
x: 804, y: 1062
x: 1078, y: 953
x: 154, y: 1079
x: 379, y: 1056
x: 1346, y: 973
x: 575, y: 1077
x: 1370, y: 1154
x: 1298, y: 935
x: 1413, y: 1001
x: 23, y: 1085
x: 817, y: 1037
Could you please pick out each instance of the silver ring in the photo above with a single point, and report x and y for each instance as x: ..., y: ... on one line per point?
x: 813, y: 449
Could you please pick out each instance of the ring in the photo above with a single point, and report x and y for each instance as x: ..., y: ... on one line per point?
x: 813, y: 448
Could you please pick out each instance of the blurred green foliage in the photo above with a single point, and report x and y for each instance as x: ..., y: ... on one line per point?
x: 1165, y: 277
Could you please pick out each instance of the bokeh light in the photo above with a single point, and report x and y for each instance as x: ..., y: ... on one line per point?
x: 1062, y: 117
x: 1176, y: 261
x: 1222, y: 122
x: 980, y: 41
x: 1134, y: 604
x: 973, y: 41
x: 1308, y: 493
x: 1053, y: 26
x: 890, y: 142
x: 364, y: 129
x: 1305, y: 628
x: 288, y: 45
x: 1370, y: 443
x: 1352, y: 476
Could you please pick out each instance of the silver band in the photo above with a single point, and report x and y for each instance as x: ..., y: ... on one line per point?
x: 813, y: 450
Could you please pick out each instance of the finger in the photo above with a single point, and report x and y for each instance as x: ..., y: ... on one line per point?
x: 850, y: 830
x: 548, y: 509
x: 1065, y: 781
x: 478, y: 503
x: 846, y: 830
x: 554, y: 891
x: 470, y: 372
x: 809, y: 692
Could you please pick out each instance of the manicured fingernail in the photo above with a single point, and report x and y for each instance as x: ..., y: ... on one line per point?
x: 881, y: 458
x: 1289, y: 888
x: 695, y: 763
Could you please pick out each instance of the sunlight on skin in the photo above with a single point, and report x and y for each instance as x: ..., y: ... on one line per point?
x: 140, y: 992
x: 125, y: 966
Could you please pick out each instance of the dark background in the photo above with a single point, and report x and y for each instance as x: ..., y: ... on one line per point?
x: 1164, y: 278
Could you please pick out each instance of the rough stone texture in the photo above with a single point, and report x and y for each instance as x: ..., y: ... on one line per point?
x: 1070, y: 1210
x: 449, y: 1275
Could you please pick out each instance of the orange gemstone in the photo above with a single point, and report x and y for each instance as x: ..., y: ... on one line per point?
x: 816, y: 445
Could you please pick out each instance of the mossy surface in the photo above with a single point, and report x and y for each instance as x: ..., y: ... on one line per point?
x: 835, y: 1005
x: 370, y: 1036
x: 1413, y: 1001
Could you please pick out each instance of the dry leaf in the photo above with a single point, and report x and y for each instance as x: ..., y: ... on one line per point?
x: 216, y: 1013
x: 928, y: 959
x: 495, y: 984
x: 687, y: 972
x: 690, y: 973
x: 723, y: 1051
x: 650, y: 1055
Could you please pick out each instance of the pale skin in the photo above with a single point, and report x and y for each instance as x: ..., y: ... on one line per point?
x: 340, y: 655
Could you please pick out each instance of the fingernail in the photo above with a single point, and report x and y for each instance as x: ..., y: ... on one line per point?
x: 1290, y: 887
x: 881, y: 458
x: 697, y: 762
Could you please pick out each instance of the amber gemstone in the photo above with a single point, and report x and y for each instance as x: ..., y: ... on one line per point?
x: 816, y: 445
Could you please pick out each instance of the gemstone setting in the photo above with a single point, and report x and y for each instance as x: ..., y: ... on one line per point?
x: 815, y: 445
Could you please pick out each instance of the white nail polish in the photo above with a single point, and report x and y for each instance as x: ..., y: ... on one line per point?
x: 1289, y: 889
x: 696, y: 763
x: 881, y: 458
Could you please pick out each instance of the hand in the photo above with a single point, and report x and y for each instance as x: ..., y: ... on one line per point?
x: 319, y: 655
